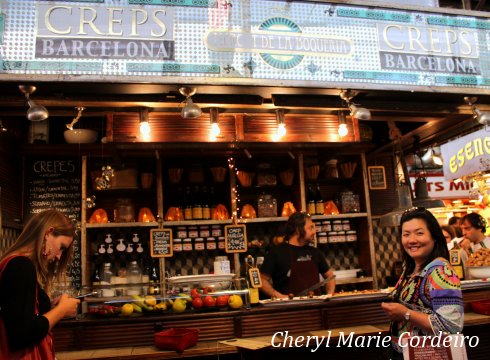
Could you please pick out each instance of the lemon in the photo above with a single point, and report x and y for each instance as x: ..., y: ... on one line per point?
x: 150, y: 300
x: 127, y: 309
x: 235, y: 301
x: 179, y: 305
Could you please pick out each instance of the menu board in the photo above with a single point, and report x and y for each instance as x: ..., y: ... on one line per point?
x: 55, y: 183
x: 255, y: 279
x: 235, y: 238
x: 161, y: 243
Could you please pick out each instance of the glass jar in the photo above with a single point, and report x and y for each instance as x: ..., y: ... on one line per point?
x: 106, y: 274
x: 187, y: 244
x: 221, y: 243
x: 332, y: 237
x: 204, y: 231
x: 351, y: 236
x: 134, y: 278
x: 193, y: 233
x: 267, y: 206
x: 349, y: 202
x: 341, y: 236
x: 211, y: 243
x: 199, y: 244
x: 337, y: 225
x: 345, y: 225
x: 322, y: 237
x: 181, y: 232
x: 326, y: 226
x: 216, y: 231
x: 124, y: 211
x: 177, y: 246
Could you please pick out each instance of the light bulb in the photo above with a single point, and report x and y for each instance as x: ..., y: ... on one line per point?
x: 281, y: 130
x: 145, y: 130
x: 437, y: 160
x: 215, y: 130
x: 343, y: 131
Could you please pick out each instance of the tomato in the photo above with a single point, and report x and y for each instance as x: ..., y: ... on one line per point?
x: 209, y: 301
x: 195, y: 293
x: 222, y: 300
x: 197, y: 303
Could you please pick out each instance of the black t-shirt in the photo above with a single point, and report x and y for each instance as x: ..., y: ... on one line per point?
x: 277, y: 263
x: 17, y: 300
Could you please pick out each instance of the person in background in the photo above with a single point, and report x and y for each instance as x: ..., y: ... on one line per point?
x: 449, y: 233
x: 28, y: 269
x: 474, y: 227
x: 293, y: 266
x: 455, y: 221
x: 427, y: 298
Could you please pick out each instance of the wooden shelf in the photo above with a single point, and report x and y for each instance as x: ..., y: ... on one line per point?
x: 339, y: 216
x: 120, y: 225
x: 197, y: 222
x: 261, y: 220
x: 366, y: 279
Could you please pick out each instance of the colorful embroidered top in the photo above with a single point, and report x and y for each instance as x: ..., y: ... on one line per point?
x: 435, y: 291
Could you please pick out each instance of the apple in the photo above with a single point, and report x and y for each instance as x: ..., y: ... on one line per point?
x: 222, y: 300
x: 235, y: 301
x: 195, y: 293
x: 209, y: 301
x: 197, y: 303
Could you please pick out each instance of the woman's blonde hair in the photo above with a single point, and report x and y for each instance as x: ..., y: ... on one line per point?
x: 32, y: 242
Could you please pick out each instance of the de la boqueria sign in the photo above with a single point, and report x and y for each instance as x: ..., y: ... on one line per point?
x: 466, y: 155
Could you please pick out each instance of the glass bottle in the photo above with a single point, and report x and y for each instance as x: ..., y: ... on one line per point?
x: 197, y: 206
x: 188, y: 204
x: 96, y: 278
x: 310, y: 201
x: 206, y: 210
x: 154, y: 288
x: 106, y: 274
x: 134, y: 278
x: 456, y: 261
x: 319, y: 209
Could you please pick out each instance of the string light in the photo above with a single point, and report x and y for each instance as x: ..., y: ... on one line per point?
x: 235, y: 200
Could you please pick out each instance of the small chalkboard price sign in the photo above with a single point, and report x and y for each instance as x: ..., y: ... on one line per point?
x: 161, y: 243
x: 235, y: 238
x: 255, y: 279
x: 377, y: 177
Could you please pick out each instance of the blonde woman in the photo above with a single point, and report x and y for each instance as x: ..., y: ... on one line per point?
x: 28, y: 269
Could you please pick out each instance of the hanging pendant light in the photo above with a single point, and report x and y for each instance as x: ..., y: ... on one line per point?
x: 190, y: 110
x: 35, y: 112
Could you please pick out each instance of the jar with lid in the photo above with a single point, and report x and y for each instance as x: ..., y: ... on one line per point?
x: 332, y: 237
x: 221, y: 243
x: 267, y: 206
x: 341, y: 236
x: 337, y: 225
x: 322, y: 237
x: 216, y: 231
x: 134, y: 278
x: 177, y: 245
x: 351, y: 235
x: 199, y: 244
x: 181, y: 232
x: 326, y: 226
x: 193, y: 233
x: 211, y: 243
x: 106, y: 275
x: 204, y: 231
x: 124, y: 211
x: 187, y: 244
x: 345, y: 225
x: 349, y: 202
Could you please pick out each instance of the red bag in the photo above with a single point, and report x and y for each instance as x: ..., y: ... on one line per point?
x: 44, y: 350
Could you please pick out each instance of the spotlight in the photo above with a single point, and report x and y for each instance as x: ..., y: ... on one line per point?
x: 145, y: 129
x: 35, y: 112
x: 2, y: 128
x: 343, y: 131
x: 483, y: 117
x: 190, y: 110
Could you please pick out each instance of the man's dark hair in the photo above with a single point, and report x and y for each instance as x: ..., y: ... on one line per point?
x: 454, y: 221
x: 476, y: 220
x: 295, y: 222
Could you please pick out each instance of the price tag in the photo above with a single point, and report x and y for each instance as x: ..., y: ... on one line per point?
x: 255, y: 279
x: 161, y: 243
x: 235, y: 238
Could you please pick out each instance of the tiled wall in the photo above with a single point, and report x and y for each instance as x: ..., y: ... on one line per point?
x: 387, y: 251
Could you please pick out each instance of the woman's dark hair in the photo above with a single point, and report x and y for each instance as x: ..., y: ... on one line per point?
x: 295, y: 222
x: 476, y: 220
x: 450, y: 230
x: 454, y: 221
x: 440, y: 246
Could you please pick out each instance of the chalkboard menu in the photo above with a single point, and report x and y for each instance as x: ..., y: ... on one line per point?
x: 235, y: 238
x: 161, y: 243
x: 55, y: 183
x: 255, y: 279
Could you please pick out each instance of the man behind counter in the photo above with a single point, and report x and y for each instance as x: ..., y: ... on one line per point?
x: 294, y: 265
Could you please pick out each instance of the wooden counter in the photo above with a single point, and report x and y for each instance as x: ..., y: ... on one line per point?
x: 113, y: 336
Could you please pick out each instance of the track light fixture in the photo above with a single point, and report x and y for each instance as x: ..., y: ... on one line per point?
x: 145, y: 129
x: 75, y: 119
x: 343, y: 131
x: 35, y: 112
x: 355, y: 111
x: 214, y: 120
x: 190, y: 110
x: 2, y: 128
x: 483, y: 117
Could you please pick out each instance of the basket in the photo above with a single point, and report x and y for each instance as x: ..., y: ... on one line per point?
x: 481, y: 307
x: 176, y: 339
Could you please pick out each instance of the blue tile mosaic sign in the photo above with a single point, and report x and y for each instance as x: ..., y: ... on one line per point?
x: 249, y: 42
